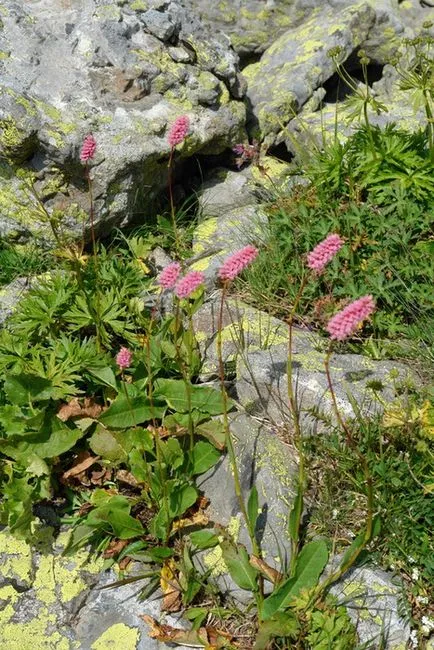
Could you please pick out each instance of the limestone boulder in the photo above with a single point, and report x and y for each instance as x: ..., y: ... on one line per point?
x: 123, y: 71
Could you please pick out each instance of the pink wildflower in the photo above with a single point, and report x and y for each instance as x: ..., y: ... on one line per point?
x: 88, y: 148
x: 178, y: 131
x: 123, y: 358
x: 345, y: 322
x: 237, y: 262
x: 169, y: 275
x: 324, y: 252
x: 189, y: 283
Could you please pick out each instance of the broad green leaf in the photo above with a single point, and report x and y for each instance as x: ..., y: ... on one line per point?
x: 13, y: 420
x: 172, y: 453
x: 104, y: 443
x: 204, y: 539
x: 24, y: 388
x: 124, y: 413
x: 80, y: 536
x: 105, y: 375
x: 252, y: 507
x: 159, y: 525
x: 214, y: 431
x: 181, y: 498
x: 53, y: 439
x: 237, y: 560
x: 203, y: 456
x: 124, y: 525
x: 310, y: 564
x: 180, y: 398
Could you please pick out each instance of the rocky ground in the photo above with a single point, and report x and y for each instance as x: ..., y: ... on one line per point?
x: 124, y: 71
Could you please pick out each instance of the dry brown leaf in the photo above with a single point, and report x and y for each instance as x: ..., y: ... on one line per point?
x: 163, y: 432
x: 126, y: 477
x: 197, y: 519
x: 264, y: 568
x: 101, y: 476
x: 115, y: 547
x: 169, y: 634
x: 73, y: 409
x: 172, y: 600
x: 83, y: 461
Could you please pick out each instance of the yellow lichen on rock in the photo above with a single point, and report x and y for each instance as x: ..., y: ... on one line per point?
x: 117, y: 637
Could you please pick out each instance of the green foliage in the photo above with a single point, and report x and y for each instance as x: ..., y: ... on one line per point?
x: 330, y: 628
x: 400, y: 458
x: 381, y: 203
x: 22, y: 261
x: 308, y: 569
x: 57, y: 357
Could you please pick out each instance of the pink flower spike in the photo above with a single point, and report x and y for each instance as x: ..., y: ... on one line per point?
x: 169, y: 275
x: 345, y: 322
x: 178, y: 131
x: 189, y: 283
x: 324, y: 252
x: 237, y: 262
x: 123, y: 358
x: 88, y: 148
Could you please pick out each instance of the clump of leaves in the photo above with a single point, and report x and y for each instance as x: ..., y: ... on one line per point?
x: 388, y: 253
x: 22, y: 261
x: 400, y: 452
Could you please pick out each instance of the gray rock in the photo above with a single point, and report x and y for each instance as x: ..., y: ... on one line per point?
x: 223, y: 191
x: 252, y: 25
x: 113, y: 617
x: 372, y: 597
x: 10, y: 295
x: 255, y: 350
x: 214, y: 239
x: 98, y: 67
x: 265, y: 461
x: 158, y: 24
x: 262, y: 384
x: 298, y: 63
x: 315, y: 124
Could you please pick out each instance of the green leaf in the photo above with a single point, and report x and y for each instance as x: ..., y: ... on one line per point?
x: 159, y: 525
x: 203, y: 456
x: 237, y: 560
x: 25, y: 388
x: 214, y: 431
x: 204, y: 539
x: 105, y: 375
x: 283, y: 624
x: 124, y: 525
x: 182, y: 498
x: 203, y: 398
x: 310, y: 564
x: 295, y: 515
x: 104, y: 443
x: 53, y: 439
x: 252, y: 507
x: 124, y: 412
